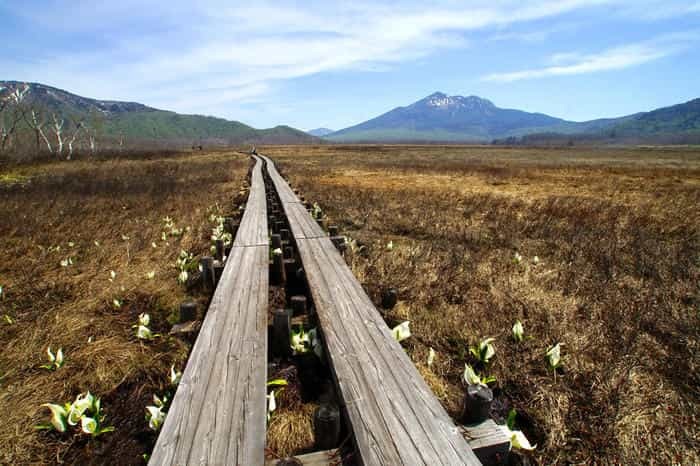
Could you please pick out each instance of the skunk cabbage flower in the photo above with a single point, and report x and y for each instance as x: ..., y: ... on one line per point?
x: 88, y: 425
x: 112, y: 275
x: 390, y: 246
x: 431, y: 357
x: 518, y: 331
x: 277, y: 252
x: 158, y: 402
x: 182, y: 278
x: 553, y: 356
x: 175, y: 376
x: 59, y: 416
x: 470, y: 376
x: 55, y: 361
x: 535, y: 260
x: 116, y: 303
x: 144, y: 319
x: 300, y: 341
x: 150, y: 275
x: 144, y: 333
x: 485, y: 351
x: 517, y: 258
x: 155, y: 416
x: 271, y: 404
x: 517, y: 438
x: 401, y: 331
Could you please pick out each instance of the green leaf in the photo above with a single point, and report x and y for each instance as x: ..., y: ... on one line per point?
x: 277, y: 383
x: 510, y: 421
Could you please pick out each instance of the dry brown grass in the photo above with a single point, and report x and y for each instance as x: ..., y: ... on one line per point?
x: 617, y: 232
x: 83, y: 202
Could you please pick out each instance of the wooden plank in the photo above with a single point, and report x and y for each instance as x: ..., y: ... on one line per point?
x: 306, y: 226
x: 488, y: 441
x: 317, y: 458
x: 395, y: 418
x: 218, y: 414
x: 253, y: 228
x: 285, y: 193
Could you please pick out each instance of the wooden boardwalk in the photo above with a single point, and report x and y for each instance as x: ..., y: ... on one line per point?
x: 395, y: 417
x: 218, y: 414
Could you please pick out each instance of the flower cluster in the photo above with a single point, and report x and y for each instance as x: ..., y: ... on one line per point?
x: 85, y: 411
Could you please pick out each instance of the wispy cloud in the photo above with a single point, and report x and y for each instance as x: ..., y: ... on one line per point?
x: 167, y: 55
x: 615, y: 58
x: 217, y: 56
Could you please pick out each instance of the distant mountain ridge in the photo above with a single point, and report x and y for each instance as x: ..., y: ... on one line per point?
x: 442, y: 118
x: 139, y: 122
x: 320, y: 132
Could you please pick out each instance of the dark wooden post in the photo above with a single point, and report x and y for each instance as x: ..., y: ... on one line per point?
x: 285, y: 234
x: 389, y: 298
x: 290, y: 268
x: 298, y: 305
x: 281, y: 332
x: 477, y: 404
x: 277, y: 271
x: 326, y: 426
x: 188, y: 311
x: 207, y: 265
x: 339, y: 242
x: 278, y: 226
x: 333, y: 230
x: 219, y: 249
x: 276, y: 241
x: 288, y: 252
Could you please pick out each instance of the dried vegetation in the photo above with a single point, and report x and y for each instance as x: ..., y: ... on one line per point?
x: 616, y: 233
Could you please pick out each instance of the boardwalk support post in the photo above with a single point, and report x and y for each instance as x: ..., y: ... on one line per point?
x: 206, y: 263
x: 281, y: 332
x: 389, y: 298
x: 188, y: 311
x: 477, y: 403
x: 326, y: 426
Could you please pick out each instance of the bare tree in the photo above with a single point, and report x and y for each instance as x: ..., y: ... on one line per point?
x: 92, y: 128
x: 14, y: 104
x: 78, y: 127
x: 37, y: 123
x: 57, y: 128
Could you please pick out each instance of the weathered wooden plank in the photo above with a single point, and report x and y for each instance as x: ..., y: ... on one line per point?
x: 307, y: 227
x: 252, y: 230
x: 488, y: 441
x: 218, y: 413
x: 317, y: 458
x: 396, y: 419
x: 283, y: 190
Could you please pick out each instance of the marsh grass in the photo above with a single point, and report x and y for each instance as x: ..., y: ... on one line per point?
x: 617, y: 234
x: 84, y: 202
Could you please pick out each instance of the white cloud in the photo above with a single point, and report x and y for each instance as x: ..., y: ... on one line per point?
x: 168, y: 54
x: 616, y: 58
x: 214, y: 55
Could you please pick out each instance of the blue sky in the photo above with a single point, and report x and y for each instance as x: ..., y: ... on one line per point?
x: 337, y: 63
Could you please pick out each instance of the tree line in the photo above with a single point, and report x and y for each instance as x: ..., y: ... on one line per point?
x: 30, y: 129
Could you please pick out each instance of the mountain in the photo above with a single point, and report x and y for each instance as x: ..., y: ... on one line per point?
x: 443, y: 118
x: 138, y: 122
x: 676, y: 119
x: 320, y: 132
